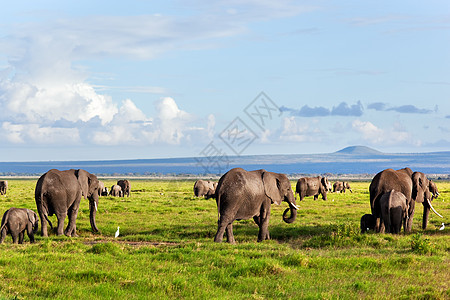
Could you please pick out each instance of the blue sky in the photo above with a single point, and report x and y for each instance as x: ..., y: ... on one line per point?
x: 150, y: 79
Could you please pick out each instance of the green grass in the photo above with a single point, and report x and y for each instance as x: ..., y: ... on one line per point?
x: 166, y: 250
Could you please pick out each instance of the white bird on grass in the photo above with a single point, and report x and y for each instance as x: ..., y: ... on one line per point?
x: 442, y: 227
x: 117, y: 232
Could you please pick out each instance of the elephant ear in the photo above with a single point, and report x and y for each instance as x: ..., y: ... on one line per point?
x: 272, y: 187
x: 31, y: 216
x: 83, y: 180
x: 93, y: 183
x: 420, y: 184
x: 324, y: 183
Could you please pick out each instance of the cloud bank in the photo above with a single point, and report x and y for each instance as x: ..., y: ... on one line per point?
x: 342, y: 109
x: 407, y: 109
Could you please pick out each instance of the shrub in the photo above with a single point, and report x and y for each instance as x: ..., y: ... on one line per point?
x: 421, y: 245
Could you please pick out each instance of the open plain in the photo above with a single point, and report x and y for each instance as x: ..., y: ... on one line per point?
x: 165, y: 250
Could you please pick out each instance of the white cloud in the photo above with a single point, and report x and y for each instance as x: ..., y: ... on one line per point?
x: 45, y: 93
x: 20, y: 133
x: 396, y: 135
x: 295, y: 131
x: 131, y: 126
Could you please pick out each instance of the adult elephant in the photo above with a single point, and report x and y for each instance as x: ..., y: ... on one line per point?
x: 414, y: 185
x: 3, y: 187
x: 312, y: 186
x: 126, y: 187
x: 59, y: 192
x: 205, y: 188
x: 245, y: 194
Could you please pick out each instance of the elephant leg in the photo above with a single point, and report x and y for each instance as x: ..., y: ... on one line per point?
x: 379, y: 225
x: 15, y: 237
x: 229, y: 233
x: 30, y: 232
x: 220, y: 231
x: 257, y: 220
x: 61, y: 217
x: 71, y: 227
x: 316, y: 197
x: 426, y: 215
x: 263, y: 233
x: 43, y: 225
x: 21, y: 235
x: 3, y: 235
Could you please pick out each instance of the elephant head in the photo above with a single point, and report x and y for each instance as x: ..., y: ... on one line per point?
x: 278, y: 188
x: 89, y: 187
x: 424, y: 191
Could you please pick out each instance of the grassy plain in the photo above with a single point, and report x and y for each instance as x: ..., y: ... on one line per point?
x: 166, y: 250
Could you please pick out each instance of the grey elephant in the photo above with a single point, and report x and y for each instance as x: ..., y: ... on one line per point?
x: 367, y: 222
x: 16, y: 221
x: 312, y: 186
x: 394, y: 211
x: 102, y: 189
x: 242, y: 194
x: 414, y: 185
x: 341, y: 186
x: 205, y: 188
x: 338, y: 186
x: 60, y: 192
x: 116, y: 191
x: 3, y: 187
x: 126, y: 187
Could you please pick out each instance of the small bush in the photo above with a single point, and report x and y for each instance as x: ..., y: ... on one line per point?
x: 421, y: 245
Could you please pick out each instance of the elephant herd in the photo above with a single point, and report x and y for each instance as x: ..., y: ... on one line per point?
x: 57, y: 193
x: 239, y: 194
x: 242, y: 194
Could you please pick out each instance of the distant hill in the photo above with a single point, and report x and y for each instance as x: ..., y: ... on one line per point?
x: 360, y: 150
x: 350, y: 160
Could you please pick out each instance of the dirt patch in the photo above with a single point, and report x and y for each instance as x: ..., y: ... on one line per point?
x: 132, y: 243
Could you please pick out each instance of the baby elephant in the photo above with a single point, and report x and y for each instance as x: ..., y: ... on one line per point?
x: 16, y: 221
x: 394, y: 211
x: 367, y: 223
x: 116, y: 191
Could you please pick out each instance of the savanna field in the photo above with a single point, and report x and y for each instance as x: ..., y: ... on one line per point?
x: 165, y: 250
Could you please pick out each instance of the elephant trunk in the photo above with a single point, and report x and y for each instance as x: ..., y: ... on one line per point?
x: 92, y: 214
x: 426, y: 214
x: 293, y: 209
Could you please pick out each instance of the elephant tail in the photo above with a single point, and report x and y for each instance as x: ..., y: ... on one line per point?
x: 4, y: 220
x: 49, y: 222
x: 43, y: 208
x: 218, y: 207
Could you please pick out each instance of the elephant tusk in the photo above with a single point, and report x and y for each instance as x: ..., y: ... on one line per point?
x: 432, y: 208
x: 293, y: 205
x: 95, y: 204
